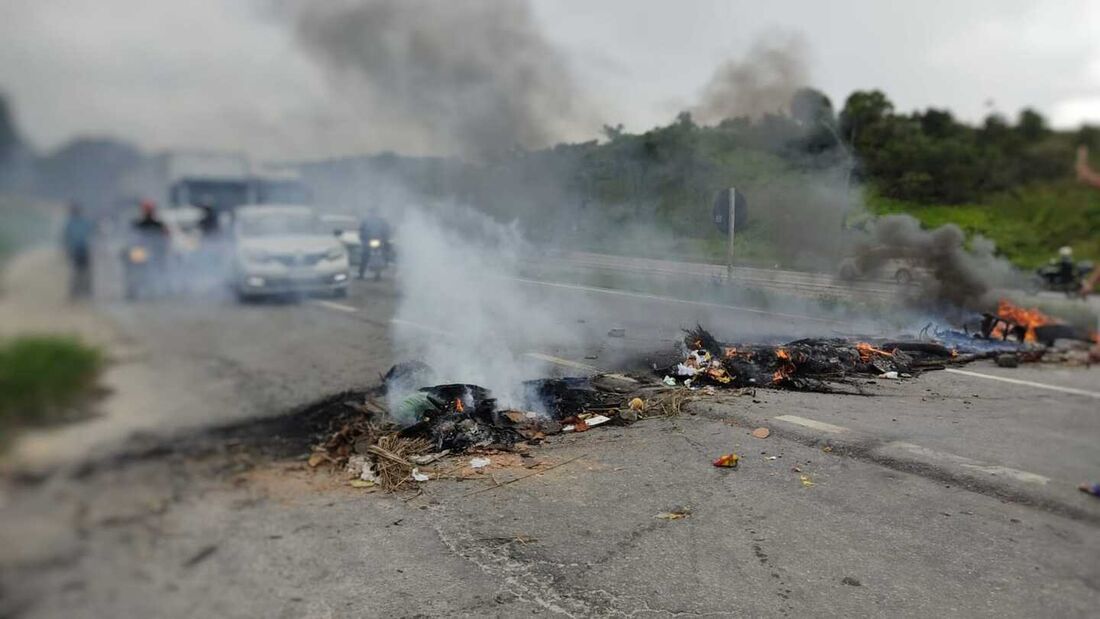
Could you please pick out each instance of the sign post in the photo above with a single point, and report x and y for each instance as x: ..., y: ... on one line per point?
x: 731, y: 218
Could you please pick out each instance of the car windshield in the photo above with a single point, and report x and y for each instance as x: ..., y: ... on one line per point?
x: 279, y: 224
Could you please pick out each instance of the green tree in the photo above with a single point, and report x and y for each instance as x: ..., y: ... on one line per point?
x: 1031, y: 125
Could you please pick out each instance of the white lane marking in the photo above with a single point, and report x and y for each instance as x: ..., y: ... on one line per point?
x: 653, y: 297
x: 564, y: 362
x: 991, y: 469
x: 1027, y: 383
x: 407, y: 323
x: 340, y: 307
x: 810, y: 423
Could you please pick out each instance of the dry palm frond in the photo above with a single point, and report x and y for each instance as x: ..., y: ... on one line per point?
x: 668, y: 403
x: 391, y: 459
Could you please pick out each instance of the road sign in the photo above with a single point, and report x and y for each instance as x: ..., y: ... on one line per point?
x: 722, y: 208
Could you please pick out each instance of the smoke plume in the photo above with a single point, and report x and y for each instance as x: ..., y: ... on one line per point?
x: 462, y: 308
x: 957, y: 277
x: 762, y: 82
x: 473, y: 78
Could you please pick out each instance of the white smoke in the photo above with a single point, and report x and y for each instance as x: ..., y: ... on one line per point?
x: 462, y: 307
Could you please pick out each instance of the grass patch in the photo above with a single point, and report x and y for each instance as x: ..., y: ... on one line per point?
x: 43, y: 379
x: 1028, y: 225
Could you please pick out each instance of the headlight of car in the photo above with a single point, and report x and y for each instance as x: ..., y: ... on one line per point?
x: 335, y: 253
x: 375, y: 243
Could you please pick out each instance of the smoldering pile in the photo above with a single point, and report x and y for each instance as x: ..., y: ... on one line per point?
x: 813, y: 364
x: 385, y: 444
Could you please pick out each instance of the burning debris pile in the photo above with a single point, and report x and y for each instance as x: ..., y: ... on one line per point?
x: 804, y: 365
x: 385, y: 447
x: 385, y: 437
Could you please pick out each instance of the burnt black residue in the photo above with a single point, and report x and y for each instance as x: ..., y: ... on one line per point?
x: 283, y: 436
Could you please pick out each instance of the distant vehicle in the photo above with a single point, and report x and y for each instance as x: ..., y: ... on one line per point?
x: 884, y: 263
x: 140, y: 273
x: 221, y: 180
x: 1064, y: 276
x: 376, y: 256
x: 281, y: 249
x: 346, y: 229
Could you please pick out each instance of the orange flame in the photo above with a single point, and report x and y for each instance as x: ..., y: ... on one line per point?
x: 782, y: 353
x: 458, y: 405
x: 1029, y: 318
x: 866, y: 352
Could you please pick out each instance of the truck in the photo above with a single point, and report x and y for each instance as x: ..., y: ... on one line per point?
x: 222, y: 180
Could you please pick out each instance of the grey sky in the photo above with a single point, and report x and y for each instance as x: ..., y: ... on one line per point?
x: 230, y: 73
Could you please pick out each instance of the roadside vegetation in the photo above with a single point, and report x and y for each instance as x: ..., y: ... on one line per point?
x: 21, y: 224
x: 45, y: 379
x: 805, y: 169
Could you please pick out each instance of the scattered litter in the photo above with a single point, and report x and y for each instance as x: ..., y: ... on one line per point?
x: 361, y: 468
x: 637, y: 404
x: 676, y: 513
x: 827, y: 449
x: 616, y: 333
x: 361, y: 483
x: 480, y: 463
x: 773, y: 457
x: 596, y: 420
x: 761, y: 433
x: 316, y: 458
x: 727, y: 461
x: 891, y: 375
x: 670, y: 381
x: 806, y: 480
x: 418, y: 476
x: 1093, y: 489
x: 1007, y: 360
x: 531, y: 474
x: 851, y: 582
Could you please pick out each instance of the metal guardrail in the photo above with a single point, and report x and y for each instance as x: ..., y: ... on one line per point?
x: 793, y: 282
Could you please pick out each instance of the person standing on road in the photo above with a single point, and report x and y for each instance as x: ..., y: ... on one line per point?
x: 77, y: 239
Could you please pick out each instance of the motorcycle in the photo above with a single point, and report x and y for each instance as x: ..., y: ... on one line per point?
x: 376, y: 257
x: 141, y: 274
x: 1064, y: 277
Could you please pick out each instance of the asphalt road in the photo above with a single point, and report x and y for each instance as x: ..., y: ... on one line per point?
x: 949, y: 494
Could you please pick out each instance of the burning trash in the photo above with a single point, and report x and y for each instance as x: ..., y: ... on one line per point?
x: 805, y: 365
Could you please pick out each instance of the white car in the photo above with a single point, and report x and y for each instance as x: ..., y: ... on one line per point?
x: 283, y: 249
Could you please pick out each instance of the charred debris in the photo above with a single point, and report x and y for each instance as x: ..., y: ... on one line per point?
x: 407, y: 421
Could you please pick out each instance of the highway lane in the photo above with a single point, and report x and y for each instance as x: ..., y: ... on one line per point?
x: 795, y: 529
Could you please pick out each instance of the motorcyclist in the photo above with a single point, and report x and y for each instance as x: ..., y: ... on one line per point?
x: 373, y: 226
x: 150, y: 231
x: 1067, y: 268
